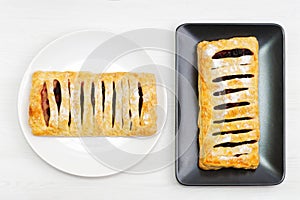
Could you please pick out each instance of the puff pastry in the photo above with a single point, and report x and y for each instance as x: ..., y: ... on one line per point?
x: 87, y: 104
x: 228, y: 99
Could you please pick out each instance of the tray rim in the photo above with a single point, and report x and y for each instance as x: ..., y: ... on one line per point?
x: 282, y: 31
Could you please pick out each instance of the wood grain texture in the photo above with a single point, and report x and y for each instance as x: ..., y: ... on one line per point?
x: 27, y: 26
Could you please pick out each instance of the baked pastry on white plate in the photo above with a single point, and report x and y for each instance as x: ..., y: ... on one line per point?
x: 87, y: 104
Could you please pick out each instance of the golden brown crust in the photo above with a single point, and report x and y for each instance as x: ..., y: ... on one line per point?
x: 213, y: 129
x: 82, y: 95
x: 148, y: 117
x: 56, y: 125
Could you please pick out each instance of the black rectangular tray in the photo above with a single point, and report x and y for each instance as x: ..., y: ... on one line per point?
x: 271, y: 105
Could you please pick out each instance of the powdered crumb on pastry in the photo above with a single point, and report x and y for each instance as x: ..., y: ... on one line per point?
x: 228, y: 100
x: 87, y: 104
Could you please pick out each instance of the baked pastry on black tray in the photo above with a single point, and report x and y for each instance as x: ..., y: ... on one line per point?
x: 228, y: 99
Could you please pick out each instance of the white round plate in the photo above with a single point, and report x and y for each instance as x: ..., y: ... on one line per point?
x: 73, y: 155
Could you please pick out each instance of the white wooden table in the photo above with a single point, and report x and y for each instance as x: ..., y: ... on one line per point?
x: 27, y: 26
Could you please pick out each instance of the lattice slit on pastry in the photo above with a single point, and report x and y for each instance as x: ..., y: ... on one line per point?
x: 228, y: 99
x: 86, y: 104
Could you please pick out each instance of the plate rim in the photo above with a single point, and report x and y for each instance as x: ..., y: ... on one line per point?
x: 22, y: 119
x: 40, y: 51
